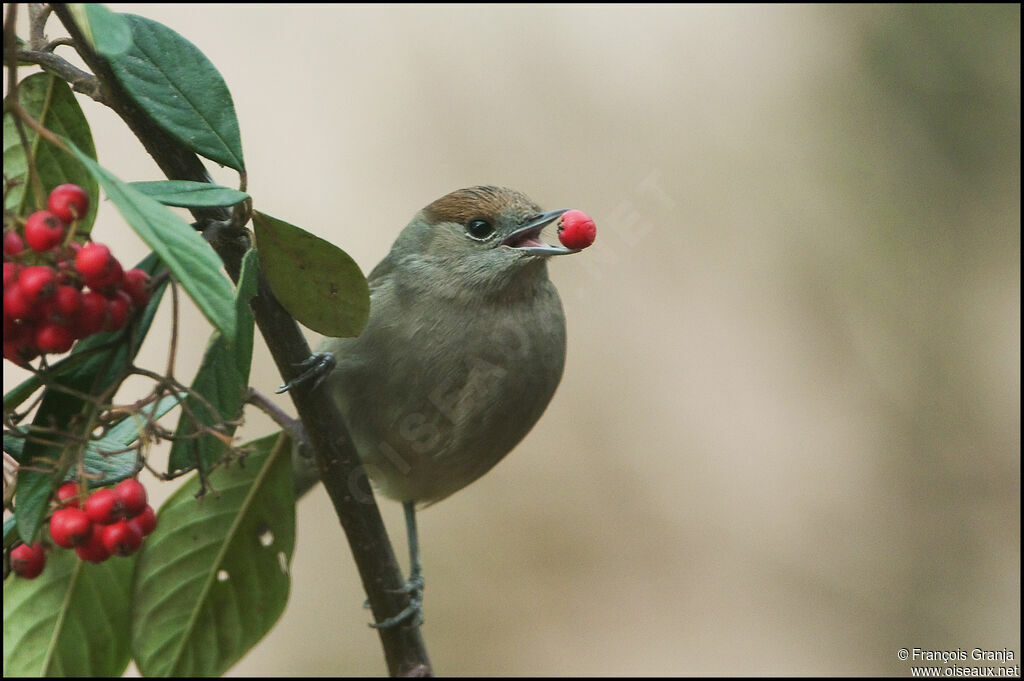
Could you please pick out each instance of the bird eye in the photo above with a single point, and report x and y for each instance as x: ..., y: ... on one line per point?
x: 479, y: 229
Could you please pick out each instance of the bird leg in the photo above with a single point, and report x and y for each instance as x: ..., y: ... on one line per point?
x: 413, y: 613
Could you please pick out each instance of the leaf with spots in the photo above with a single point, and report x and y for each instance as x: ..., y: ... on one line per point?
x: 213, y: 578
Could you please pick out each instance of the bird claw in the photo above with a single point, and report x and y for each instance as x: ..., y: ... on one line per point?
x: 413, y: 612
x: 317, y: 366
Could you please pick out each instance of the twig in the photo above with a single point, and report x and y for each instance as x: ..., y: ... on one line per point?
x: 79, y: 80
x: 38, y: 13
x: 278, y: 415
x: 11, y: 101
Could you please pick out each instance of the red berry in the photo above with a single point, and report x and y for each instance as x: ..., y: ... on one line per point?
x: 136, y: 285
x: 28, y: 561
x: 16, y: 303
x: 20, y: 352
x: 93, y: 550
x: 145, y: 522
x: 576, y: 229
x: 70, y: 527
x: 13, y: 245
x: 67, y: 495
x: 38, y: 283
x: 68, y: 202
x: 110, y: 279
x: 43, y: 231
x: 132, y: 496
x: 122, y: 539
x: 66, y: 303
x: 103, y: 507
x: 54, y: 338
x: 11, y: 271
x: 93, y: 261
x: 118, y: 309
x: 13, y: 330
x: 92, y: 316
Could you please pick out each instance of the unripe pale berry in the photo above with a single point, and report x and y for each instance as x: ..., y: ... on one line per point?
x: 576, y: 230
x: 68, y: 202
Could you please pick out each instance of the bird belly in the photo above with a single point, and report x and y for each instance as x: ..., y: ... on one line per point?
x: 427, y: 424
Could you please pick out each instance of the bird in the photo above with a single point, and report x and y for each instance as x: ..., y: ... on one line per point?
x: 462, y: 352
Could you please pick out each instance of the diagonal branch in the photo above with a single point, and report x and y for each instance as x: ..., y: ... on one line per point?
x: 79, y: 80
x: 336, y: 456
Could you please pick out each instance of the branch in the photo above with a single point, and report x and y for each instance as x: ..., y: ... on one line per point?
x: 336, y: 456
x: 79, y: 80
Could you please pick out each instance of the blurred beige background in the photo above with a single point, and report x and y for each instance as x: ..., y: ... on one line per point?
x: 787, y: 440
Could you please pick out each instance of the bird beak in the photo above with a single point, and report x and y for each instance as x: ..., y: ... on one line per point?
x: 527, y: 238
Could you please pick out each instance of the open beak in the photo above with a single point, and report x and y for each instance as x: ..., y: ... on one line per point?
x: 527, y: 238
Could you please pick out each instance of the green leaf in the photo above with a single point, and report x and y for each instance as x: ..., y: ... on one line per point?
x: 174, y: 82
x: 10, y: 524
x: 72, y: 620
x: 107, y: 32
x: 317, y: 283
x: 213, y: 578
x: 185, y: 252
x: 107, y: 359
x: 51, y: 102
x: 13, y: 445
x: 222, y: 379
x: 185, y: 194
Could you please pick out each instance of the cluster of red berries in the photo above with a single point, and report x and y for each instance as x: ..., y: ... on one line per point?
x: 45, y: 307
x: 576, y: 230
x: 111, y: 522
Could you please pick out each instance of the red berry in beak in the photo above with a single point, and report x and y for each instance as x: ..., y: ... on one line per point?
x: 576, y: 230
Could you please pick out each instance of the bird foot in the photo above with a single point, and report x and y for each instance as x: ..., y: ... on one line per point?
x: 412, y: 613
x: 315, y: 367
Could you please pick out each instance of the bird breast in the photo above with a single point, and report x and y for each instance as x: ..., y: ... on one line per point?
x: 435, y: 391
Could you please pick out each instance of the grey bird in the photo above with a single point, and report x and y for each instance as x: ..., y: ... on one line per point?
x: 462, y: 352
